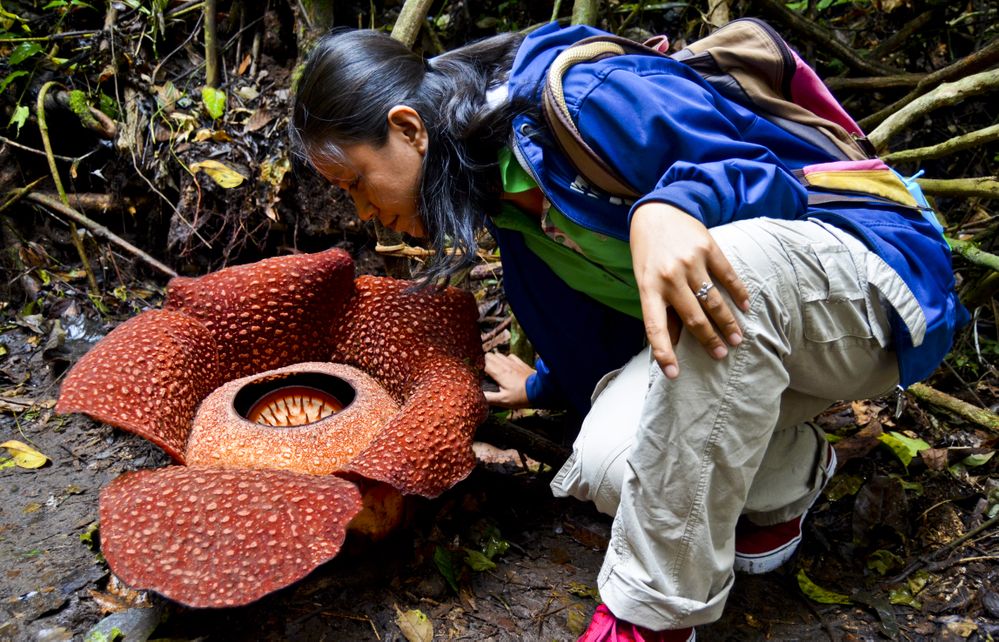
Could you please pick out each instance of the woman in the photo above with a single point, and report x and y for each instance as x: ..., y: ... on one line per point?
x: 759, y: 310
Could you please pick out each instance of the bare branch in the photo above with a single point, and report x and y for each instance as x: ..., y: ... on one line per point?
x: 973, y: 139
x: 946, y: 94
x: 984, y: 187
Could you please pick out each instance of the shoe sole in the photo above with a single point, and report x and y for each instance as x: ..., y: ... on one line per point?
x: 760, y: 563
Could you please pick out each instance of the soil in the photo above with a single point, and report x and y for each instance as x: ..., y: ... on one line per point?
x: 55, y: 585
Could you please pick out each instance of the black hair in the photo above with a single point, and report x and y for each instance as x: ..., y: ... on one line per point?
x: 350, y: 81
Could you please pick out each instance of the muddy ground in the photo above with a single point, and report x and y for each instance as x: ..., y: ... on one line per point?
x: 55, y: 586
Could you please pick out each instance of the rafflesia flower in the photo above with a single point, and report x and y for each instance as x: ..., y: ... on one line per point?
x: 298, y: 403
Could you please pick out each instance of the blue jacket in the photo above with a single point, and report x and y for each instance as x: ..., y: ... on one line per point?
x: 678, y: 141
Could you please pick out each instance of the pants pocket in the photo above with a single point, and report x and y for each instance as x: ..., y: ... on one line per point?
x: 833, y: 296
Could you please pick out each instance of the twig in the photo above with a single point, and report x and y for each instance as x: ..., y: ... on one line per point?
x: 901, y: 36
x: 979, y: 416
x: 946, y: 94
x: 825, y: 40
x: 984, y: 187
x: 500, y: 327
x: 43, y: 129
x: 970, y: 64
x: 975, y: 139
x: 68, y: 159
x: 99, y: 231
x: 17, y: 194
x: 874, y: 82
x: 504, y: 434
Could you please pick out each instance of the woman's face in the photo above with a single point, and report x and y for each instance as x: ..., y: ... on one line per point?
x: 384, y: 181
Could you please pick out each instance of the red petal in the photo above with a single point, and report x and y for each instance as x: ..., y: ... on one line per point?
x: 147, y: 377
x: 427, y: 448
x: 271, y: 313
x: 389, y: 332
x: 424, y: 347
x: 211, y: 537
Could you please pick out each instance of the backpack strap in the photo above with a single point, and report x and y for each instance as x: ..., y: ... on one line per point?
x: 591, y: 166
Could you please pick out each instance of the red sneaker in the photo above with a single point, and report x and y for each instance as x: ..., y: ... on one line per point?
x: 605, y: 627
x: 761, y: 549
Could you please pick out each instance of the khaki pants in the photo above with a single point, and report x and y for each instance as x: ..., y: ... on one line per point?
x: 677, y: 462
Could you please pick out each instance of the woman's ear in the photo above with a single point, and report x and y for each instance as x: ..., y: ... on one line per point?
x: 404, y: 120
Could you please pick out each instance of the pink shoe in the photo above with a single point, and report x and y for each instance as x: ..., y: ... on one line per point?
x: 761, y: 549
x: 605, y: 627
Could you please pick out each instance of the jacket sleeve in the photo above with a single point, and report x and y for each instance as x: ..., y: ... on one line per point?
x: 679, y: 142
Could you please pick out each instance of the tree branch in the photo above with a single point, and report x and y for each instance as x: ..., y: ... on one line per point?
x: 946, y: 94
x: 985, y: 187
x: 972, y: 63
x: 963, y: 409
x: 973, y: 139
x: 974, y: 254
x: 98, y: 230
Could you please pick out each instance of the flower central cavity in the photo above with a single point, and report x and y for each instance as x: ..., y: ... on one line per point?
x: 293, y: 406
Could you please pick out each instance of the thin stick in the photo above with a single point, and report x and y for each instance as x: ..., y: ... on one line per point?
x: 99, y: 231
x: 212, y: 73
x: 43, y: 129
x: 874, y: 82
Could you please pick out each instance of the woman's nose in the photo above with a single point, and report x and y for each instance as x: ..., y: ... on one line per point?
x: 365, y: 210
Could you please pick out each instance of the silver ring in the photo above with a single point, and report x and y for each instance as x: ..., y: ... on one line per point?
x: 702, y: 292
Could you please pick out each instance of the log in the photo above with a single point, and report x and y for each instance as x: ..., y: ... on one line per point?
x: 979, y: 416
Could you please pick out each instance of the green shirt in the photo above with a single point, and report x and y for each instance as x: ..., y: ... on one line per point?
x: 592, y: 263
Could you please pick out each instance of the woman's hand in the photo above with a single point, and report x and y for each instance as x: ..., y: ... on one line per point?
x: 673, y: 256
x: 511, y: 374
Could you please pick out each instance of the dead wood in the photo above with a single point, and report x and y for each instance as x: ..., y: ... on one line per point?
x: 99, y: 231
x: 985, y: 187
x: 963, y: 409
x: 971, y: 140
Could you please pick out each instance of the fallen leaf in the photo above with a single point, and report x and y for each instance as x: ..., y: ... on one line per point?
x: 24, y: 456
x: 258, y: 120
x: 818, y: 594
x: 222, y: 174
x: 905, y: 448
x: 415, y: 625
x: 243, y: 65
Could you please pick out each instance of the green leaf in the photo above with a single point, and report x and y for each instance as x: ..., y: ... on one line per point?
x: 905, y: 448
x: 495, y: 545
x: 19, y: 117
x: 23, y: 51
x: 974, y: 461
x: 214, y: 100
x: 445, y: 564
x: 56, y: 4
x: 11, y: 77
x: 818, y: 594
x: 477, y: 561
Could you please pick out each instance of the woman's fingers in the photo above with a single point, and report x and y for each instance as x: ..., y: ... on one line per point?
x: 654, y: 313
x: 510, y: 374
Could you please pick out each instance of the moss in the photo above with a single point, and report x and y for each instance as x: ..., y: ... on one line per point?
x: 81, y: 107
